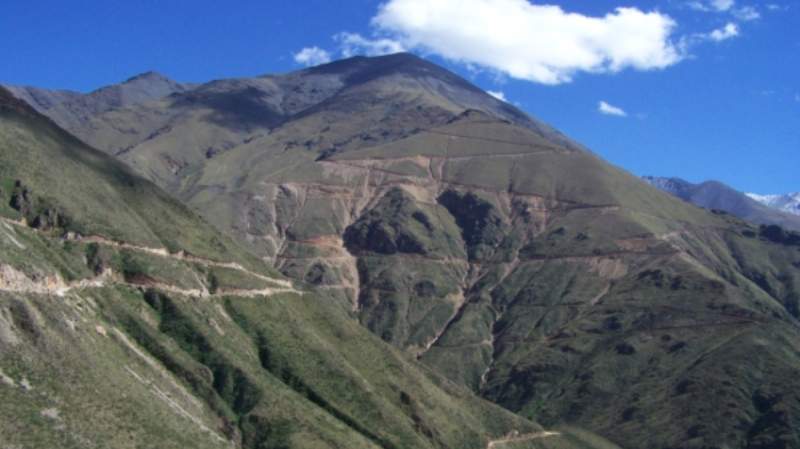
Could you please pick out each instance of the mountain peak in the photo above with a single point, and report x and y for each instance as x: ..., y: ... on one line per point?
x: 143, y: 87
x: 387, y: 70
x: 363, y: 69
x: 149, y: 76
x: 360, y: 62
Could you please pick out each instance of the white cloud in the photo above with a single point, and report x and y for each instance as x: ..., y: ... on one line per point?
x: 497, y: 94
x: 540, y: 43
x: 711, y: 5
x: 607, y: 109
x: 729, y: 31
x: 312, y: 56
x: 722, y: 5
x: 355, y: 44
x: 698, y: 6
x: 747, y: 13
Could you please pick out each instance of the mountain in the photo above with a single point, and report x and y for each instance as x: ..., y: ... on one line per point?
x: 491, y: 248
x: 73, y: 110
x: 128, y: 321
x: 789, y: 203
x: 167, y: 137
x: 718, y: 196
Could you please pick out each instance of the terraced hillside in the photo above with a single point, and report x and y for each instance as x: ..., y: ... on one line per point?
x: 492, y: 248
x: 127, y: 321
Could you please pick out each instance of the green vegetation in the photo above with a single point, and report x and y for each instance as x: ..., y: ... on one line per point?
x: 142, y: 268
x: 34, y: 254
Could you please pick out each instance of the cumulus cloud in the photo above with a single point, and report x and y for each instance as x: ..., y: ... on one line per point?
x: 356, y: 44
x: 540, y: 43
x: 312, y: 56
x: 497, y: 94
x: 729, y: 31
x: 607, y: 109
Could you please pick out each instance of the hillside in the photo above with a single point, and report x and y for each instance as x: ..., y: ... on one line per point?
x: 492, y: 248
x: 718, y: 196
x: 127, y: 321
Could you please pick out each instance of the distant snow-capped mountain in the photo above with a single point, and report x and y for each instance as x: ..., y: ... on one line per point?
x: 789, y: 202
x: 716, y: 195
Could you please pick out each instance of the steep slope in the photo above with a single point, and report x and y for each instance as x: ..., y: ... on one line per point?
x: 127, y: 321
x: 789, y: 203
x: 718, y: 196
x: 495, y: 250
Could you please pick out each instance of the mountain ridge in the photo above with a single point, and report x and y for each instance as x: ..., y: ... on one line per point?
x: 70, y: 109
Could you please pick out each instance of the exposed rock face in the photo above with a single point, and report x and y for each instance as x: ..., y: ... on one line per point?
x: 489, y: 246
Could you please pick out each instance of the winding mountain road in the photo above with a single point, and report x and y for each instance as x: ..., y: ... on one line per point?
x: 520, y: 438
x: 13, y: 280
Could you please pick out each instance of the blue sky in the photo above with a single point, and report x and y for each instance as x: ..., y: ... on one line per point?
x: 712, y: 92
